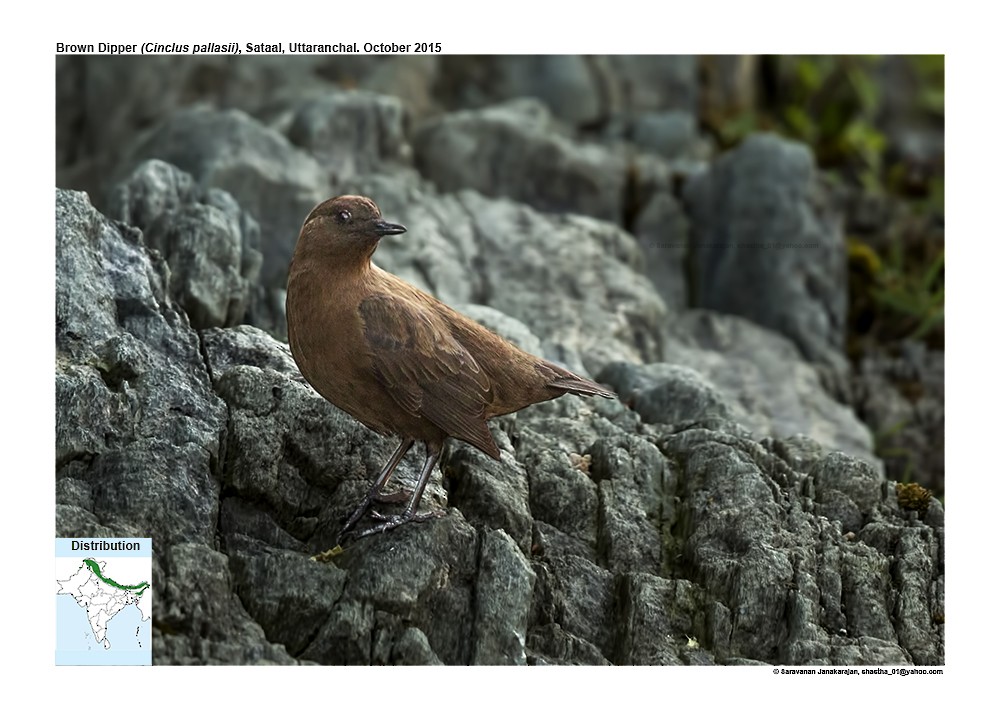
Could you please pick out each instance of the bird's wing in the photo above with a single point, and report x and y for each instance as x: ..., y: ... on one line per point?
x: 427, y: 371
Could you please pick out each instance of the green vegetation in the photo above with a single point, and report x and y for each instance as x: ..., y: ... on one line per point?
x: 916, y: 297
x: 843, y: 107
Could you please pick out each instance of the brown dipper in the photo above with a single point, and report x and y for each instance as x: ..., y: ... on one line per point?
x: 396, y: 358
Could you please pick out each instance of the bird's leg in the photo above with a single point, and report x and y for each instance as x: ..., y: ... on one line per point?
x: 383, y: 478
x: 391, y: 521
x: 393, y: 498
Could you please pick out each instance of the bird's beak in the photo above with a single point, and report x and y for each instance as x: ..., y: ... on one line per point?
x: 387, y: 228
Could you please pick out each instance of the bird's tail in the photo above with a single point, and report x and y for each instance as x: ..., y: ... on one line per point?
x: 578, y: 386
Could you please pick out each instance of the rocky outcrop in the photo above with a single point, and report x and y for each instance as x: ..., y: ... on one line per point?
x: 731, y: 509
x: 603, y: 535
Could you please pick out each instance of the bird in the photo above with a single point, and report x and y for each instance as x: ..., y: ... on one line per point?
x: 396, y: 358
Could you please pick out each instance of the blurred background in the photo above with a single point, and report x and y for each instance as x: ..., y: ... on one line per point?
x: 803, y: 193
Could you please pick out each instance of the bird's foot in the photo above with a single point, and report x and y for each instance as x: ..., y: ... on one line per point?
x: 401, y: 496
x: 388, y: 522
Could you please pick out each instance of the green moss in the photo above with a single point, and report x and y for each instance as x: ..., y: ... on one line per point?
x: 834, y: 104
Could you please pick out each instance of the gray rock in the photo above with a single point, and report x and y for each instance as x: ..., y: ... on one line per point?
x: 660, y: 621
x: 272, y: 180
x: 745, y: 374
x: 199, y: 621
x: 411, y: 78
x: 514, y: 151
x: 604, y: 309
x: 138, y: 431
x: 636, y: 503
x: 133, y: 394
x: 105, y: 103
x: 208, y: 242
x: 289, y: 595
x: 503, y: 598
x: 814, y: 596
x: 768, y: 246
x: 670, y: 133
x: 490, y: 495
x: 567, y: 85
x: 71, y: 115
x: 412, y: 647
x: 668, y: 394
x: 733, y: 497
x: 352, y: 132
x: 661, y: 229
x: 598, y: 538
x: 848, y: 477
x: 654, y: 82
x: 577, y: 595
x: 582, y: 91
x: 551, y: 645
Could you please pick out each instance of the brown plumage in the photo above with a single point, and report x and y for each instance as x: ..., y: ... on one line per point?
x: 396, y: 358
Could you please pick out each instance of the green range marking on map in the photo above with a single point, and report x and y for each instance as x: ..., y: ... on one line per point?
x: 96, y: 569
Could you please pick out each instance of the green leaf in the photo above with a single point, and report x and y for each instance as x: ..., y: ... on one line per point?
x: 932, y: 272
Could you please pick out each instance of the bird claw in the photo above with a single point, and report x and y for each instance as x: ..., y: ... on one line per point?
x: 388, y: 522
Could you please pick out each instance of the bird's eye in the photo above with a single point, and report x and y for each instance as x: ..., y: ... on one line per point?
x: 343, y: 216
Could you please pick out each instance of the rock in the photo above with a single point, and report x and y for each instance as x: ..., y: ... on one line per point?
x: 412, y: 647
x: 580, y: 90
x: 567, y: 85
x: 208, y: 242
x: 503, y: 598
x: 767, y: 245
x: 661, y: 229
x: 138, y: 430
x: 574, y: 615
x: 668, y: 394
x: 551, y: 645
x: 137, y: 421
x: 514, y: 151
x: 661, y: 620
x: 199, y: 621
x: 491, y: 496
x: 410, y: 78
x: 104, y: 103
x: 745, y: 374
x: 351, y: 133
x: 816, y: 597
x: 272, y: 180
x: 636, y: 503
x: 600, y: 537
x: 654, y: 82
x: 670, y: 133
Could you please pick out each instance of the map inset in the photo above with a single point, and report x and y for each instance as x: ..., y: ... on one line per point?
x: 103, y: 601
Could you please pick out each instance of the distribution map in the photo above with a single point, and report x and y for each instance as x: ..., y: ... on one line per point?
x: 115, y: 597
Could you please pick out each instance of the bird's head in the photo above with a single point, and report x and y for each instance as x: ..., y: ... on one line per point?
x: 345, y: 228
